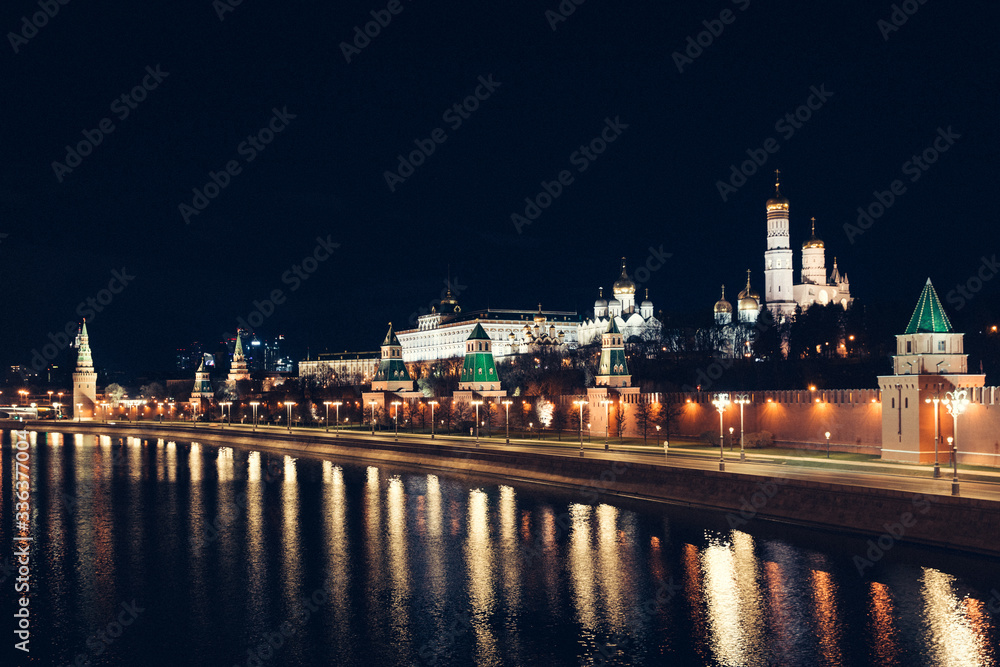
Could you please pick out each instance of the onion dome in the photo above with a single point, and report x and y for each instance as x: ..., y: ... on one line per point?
x: 723, y: 306
x: 647, y: 303
x: 539, y: 318
x: 601, y: 301
x: 777, y: 202
x: 624, y: 284
x: 614, y: 303
x: 813, y: 242
x: 748, y: 292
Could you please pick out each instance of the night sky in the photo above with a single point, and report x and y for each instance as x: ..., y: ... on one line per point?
x: 343, y: 125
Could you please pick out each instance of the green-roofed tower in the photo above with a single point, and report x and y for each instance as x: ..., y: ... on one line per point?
x: 84, y: 378
x: 202, y: 390
x: 929, y: 315
x: 612, y: 371
x: 391, y: 374
x: 238, y: 370
x: 479, y: 372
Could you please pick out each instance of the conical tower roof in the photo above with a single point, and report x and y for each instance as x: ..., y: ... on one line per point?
x: 479, y: 333
x: 201, y: 366
x: 613, y: 326
x: 390, y: 337
x: 929, y: 315
x: 238, y: 352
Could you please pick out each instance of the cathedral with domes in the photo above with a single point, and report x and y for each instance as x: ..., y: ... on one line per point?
x: 632, y: 322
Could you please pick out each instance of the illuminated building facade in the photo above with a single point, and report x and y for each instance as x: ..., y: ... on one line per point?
x: 84, y: 378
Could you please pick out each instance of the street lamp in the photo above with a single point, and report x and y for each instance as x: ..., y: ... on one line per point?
x: 657, y: 435
x: 396, y: 405
x: 477, y: 404
x: 731, y: 430
x: 254, y: 404
x: 506, y: 405
x: 289, y: 404
x: 327, y: 404
x: 50, y: 392
x: 372, y: 403
x: 827, y: 434
x: 581, y: 404
x: 937, y: 433
x: 721, y: 402
x: 432, y: 404
x: 956, y: 402
x: 79, y: 409
x: 741, y: 400
x: 336, y: 405
x: 224, y: 405
x: 607, y: 420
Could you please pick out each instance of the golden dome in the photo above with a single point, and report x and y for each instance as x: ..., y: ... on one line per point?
x: 624, y: 284
x: 723, y: 306
x: 813, y: 242
x: 749, y: 303
x: 777, y: 202
x: 748, y: 292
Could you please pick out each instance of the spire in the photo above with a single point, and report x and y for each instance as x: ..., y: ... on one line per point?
x: 84, y: 360
x: 814, y: 226
x: 390, y: 337
x: 600, y: 292
x: 723, y: 293
x: 777, y: 183
x: 201, y: 366
x: 238, y: 352
x: 929, y: 315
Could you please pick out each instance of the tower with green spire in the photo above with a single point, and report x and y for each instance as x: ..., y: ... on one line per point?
x: 612, y: 371
x: 391, y: 374
x: 202, y: 391
x: 479, y: 372
x: 238, y: 371
x: 84, y: 378
x: 929, y: 362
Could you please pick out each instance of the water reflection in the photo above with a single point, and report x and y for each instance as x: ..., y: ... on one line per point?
x: 223, y: 544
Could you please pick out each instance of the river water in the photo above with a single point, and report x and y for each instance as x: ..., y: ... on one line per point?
x: 153, y: 552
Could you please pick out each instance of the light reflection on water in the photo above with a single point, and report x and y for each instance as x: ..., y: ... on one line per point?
x: 222, y: 546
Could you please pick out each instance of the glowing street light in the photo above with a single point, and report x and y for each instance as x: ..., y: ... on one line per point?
x: 936, y: 400
x: 607, y: 420
x: 581, y: 404
x: 50, y: 392
x: 289, y: 404
x: 79, y: 410
x: 477, y: 404
x: 396, y: 405
x: 254, y: 404
x: 372, y: 403
x: 433, y: 404
x: 721, y: 402
x: 327, y: 404
x: 827, y: 434
x: 224, y: 405
x: 741, y: 400
x: 506, y: 405
x: 956, y: 401
x: 336, y: 405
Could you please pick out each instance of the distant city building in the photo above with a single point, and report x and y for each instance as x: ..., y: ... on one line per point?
x: 84, y: 378
x: 348, y: 368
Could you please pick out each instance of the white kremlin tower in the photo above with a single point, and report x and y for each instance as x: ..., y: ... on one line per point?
x: 85, y: 378
x: 238, y: 371
x: 778, y: 272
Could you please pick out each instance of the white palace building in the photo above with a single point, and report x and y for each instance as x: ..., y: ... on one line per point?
x: 441, y: 334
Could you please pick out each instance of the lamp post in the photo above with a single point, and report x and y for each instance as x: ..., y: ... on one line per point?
x: 827, y: 434
x: 956, y: 401
x: 254, y: 404
x: 731, y: 430
x: 327, y: 404
x: 50, y: 392
x: 79, y: 409
x: 721, y: 402
x: 742, y: 400
x: 289, y: 404
x: 506, y: 405
x: 607, y: 420
x: 372, y: 403
x: 224, y: 405
x: 477, y: 404
x: 937, y: 433
x: 581, y: 404
x: 395, y: 417
x: 432, y: 404
x: 657, y: 435
x: 336, y: 405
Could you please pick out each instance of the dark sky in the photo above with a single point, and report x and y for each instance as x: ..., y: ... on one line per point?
x: 323, y: 174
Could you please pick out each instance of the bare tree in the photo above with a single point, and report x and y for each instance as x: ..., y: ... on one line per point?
x: 621, y: 420
x: 643, y: 417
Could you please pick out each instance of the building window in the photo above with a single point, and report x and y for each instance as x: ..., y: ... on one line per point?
x: 909, y: 346
x: 894, y: 404
x: 906, y: 402
x: 941, y: 346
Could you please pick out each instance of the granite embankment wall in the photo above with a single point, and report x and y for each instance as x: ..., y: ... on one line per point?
x: 945, y: 521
